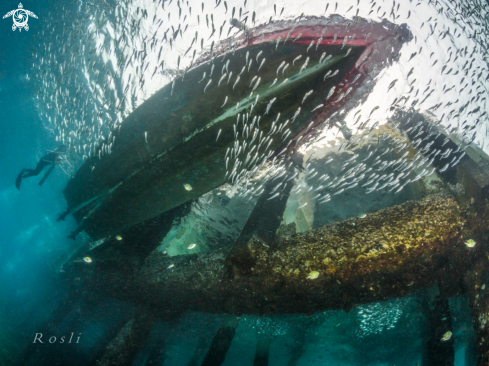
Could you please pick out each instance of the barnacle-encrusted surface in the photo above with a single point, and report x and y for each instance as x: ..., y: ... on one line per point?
x: 125, y: 345
x: 389, y: 238
x: 388, y: 253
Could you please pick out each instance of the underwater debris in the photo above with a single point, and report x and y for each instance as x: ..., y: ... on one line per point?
x: 191, y: 246
x: 118, y: 237
x: 87, y: 259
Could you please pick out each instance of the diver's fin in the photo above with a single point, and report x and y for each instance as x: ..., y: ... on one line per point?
x: 63, y: 215
x: 41, y: 182
x: 76, y: 232
x: 18, y: 180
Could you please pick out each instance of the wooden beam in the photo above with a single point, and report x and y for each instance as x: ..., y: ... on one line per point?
x: 390, y: 253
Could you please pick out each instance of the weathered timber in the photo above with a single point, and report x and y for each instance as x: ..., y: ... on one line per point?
x: 389, y: 253
x: 263, y: 223
x: 198, y: 352
x: 440, y: 351
x: 130, y: 247
x: 220, y: 344
x: 128, y: 342
x: 262, y: 352
x: 472, y: 171
x: 477, y: 286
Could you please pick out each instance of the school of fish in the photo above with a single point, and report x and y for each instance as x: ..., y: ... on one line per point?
x: 99, y: 62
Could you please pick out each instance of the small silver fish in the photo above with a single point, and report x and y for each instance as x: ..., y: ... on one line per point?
x: 249, y: 66
x: 236, y: 82
x: 278, y: 41
x: 258, y: 55
x: 208, y: 83
x: 280, y: 66
x: 296, y: 59
x: 317, y: 107
x: 320, y: 59
x: 285, y: 68
x: 269, y: 142
x: 334, y: 73
x: 306, y: 95
x: 252, y: 80
x: 304, y: 66
x: 203, y: 77
x: 331, y: 92
x: 296, y: 114
x: 256, y: 84
x: 310, y: 45
x: 444, y: 168
x: 272, y: 197
x: 221, y: 79
x: 276, y: 119
x: 270, y: 105
x: 283, y: 82
x: 288, y: 34
x: 340, y: 98
x: 318, y: 42
x: 391, y: 85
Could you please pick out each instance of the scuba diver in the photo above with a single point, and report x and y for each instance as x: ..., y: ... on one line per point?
x: 51, y: 158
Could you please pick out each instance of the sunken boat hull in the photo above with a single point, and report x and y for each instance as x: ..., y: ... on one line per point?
x: 205, y: 129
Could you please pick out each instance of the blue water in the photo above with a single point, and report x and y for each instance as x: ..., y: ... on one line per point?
x: 30, y: 237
